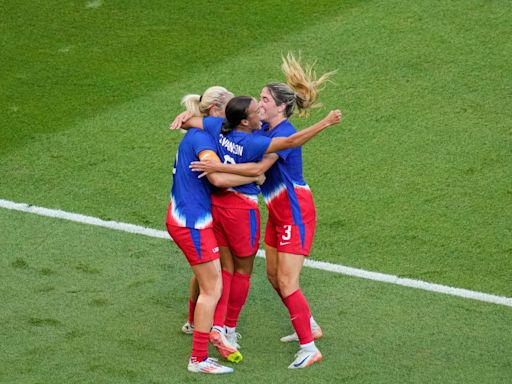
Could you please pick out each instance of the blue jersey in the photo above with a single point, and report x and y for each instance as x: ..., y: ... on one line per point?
x: 190, y: 196
x: 237, y: 147
x: 286, y: 193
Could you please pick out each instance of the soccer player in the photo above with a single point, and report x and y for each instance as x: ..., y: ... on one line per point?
x: 189, y: 222
x: 211, y: 103
x: 236, y: 217
x: 292, y: 215
x: 235, y: 214
x: 235, y: 210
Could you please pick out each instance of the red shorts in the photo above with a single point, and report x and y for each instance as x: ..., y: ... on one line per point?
x: 295, y: 239
x: 237, y: 229
x: 198, y: 245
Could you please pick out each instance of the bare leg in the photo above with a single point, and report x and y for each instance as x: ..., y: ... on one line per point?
x: 288, y: 272
x: 210, y: 287
x: 194, y: 289
x: 271, y: 256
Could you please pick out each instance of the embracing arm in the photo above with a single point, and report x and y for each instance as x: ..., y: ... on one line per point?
x: 227, y: 180
x: 224, y: 180
x: 186, y: 120
x: 299, y: 138
x: 244, y: 169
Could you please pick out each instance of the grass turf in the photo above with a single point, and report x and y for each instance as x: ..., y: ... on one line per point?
x: 111, y: 312
x: 415, y: 182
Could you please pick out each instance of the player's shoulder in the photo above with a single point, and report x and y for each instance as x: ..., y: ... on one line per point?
x: 256, y: 138
x: 286, y: 125
x: 198, y: 135
x: 284, y: 128
x: 196, y: 132
x: 213, y: 119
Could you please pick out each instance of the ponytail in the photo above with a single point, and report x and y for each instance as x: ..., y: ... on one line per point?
x: 301, y: 88
x: 227, y: 127
x: 191, y: 103
x: 213, y: 97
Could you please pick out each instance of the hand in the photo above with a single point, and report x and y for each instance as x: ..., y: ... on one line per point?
x: 334, y: 117
x: 205, y: 166
x: 180, y: 119
x: 260, y: 179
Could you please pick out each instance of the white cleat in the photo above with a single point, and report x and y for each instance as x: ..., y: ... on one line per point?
x: 209, y: 365
x: 233, y: 339
x: 304, y: 359
x: 316, y: 330
x: 188, y: 328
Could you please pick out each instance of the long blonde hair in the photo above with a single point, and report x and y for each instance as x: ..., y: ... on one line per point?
x: 301, y: 88
x: 200, y: 105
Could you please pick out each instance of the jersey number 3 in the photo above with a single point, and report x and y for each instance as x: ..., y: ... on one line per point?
x: 287, y: 232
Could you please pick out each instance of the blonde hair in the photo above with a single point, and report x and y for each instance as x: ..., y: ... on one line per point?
x: 301, y: 88
x: 200, y: 105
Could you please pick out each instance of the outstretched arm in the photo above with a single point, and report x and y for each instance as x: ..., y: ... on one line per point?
x: 208, y: 166
x: 297, y: 139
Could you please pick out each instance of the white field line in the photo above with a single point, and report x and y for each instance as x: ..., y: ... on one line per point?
x: 375, y: 276
x: 94, y: 4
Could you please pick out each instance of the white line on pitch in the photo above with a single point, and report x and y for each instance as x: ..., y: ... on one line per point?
x: 336, y: 268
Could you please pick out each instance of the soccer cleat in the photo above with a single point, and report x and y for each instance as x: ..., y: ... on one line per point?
x: 304, y: 359
x: 227, y: 350
x: 233, y: 338
x: 209, y: 365
x: 316, y: 330
x: 188, y: 328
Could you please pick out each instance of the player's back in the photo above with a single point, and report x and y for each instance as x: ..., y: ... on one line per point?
x: 190, y: 195
x: 236, y: 147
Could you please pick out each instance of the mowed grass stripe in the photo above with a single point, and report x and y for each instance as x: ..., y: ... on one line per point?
x: 409, y: 193
x: 329, y: 267
x: 92, y: 305
x: 128, y: 143
x: 84, y: 60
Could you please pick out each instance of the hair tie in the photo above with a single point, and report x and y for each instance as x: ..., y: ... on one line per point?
x: 200, y: 98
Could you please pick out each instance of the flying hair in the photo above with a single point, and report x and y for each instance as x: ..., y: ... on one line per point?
x: 301, y: 88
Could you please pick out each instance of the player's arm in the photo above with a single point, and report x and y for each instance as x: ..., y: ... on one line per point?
x: 225, y: 180
x: 186, y: 120
x: 244, y: 169
x: 302, y: 137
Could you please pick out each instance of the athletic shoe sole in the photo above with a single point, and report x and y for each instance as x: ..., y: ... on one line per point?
x: 229, y: 354
x: 306, y: 361
x: 317, y: 333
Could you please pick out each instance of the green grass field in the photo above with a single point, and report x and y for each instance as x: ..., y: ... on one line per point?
x: 415, y: 182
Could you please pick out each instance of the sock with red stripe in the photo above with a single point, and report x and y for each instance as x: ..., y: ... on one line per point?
x: 200, y: 346
x: 299, y: 314
x: 220, y: 311
x: 240, y: 285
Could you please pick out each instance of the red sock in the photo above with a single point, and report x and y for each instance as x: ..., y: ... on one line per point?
x: 220, y: 311
x: 299, y: 314
x: 200, y: 346
x: 239, y: 291
x: 191, y: 309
